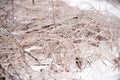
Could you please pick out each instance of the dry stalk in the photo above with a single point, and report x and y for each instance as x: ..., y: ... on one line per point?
x: 33, y: 2
x: 53, y: 8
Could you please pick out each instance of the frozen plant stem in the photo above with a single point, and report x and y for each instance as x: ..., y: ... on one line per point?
x: 15, y: 71
x: 13, y: 11
x: 33, y: 2
x: 53, y: 8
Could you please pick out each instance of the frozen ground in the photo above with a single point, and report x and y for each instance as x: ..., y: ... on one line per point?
x: 99, y: 71
x: 69, y: 41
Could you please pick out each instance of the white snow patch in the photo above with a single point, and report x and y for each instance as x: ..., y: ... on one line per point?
x: 118, y: 40
x: 32, y: 48
x: 38, y: 68
x: 99, y: 71
x: 64, y: 76
x: 98, y: 5
x: 14, y: 33
x: 17, y: 33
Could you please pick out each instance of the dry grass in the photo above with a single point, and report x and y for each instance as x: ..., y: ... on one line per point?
x: 67, y: 38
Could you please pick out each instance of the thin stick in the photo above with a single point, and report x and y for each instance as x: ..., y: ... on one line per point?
x: 33, y: 57
x: 13, y: 10
x: 15, y: 71
x: 53, y: 8
x: 33, y: 2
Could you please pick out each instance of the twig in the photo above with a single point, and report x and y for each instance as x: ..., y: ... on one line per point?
x: 53, y: 8
x: 13, y: 11
x: 13, y: 38
x: 33, y: 2
x: 33, y: 57
x: 15, y: 71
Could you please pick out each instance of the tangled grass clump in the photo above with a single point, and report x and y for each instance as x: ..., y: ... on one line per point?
x: 64, y: 39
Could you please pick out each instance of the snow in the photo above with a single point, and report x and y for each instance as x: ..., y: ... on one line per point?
x: 98, y: 5
x: 32, y: 48
x: 38, y: 68
x: 98, y: 71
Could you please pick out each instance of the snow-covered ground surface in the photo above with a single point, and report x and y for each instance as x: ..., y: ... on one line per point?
x: 97, y: 4
x: 81, y: 44
x: 98, y: 71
